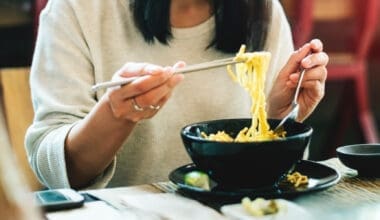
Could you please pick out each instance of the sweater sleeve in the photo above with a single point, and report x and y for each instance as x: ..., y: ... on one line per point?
x: 61, y: 79
x: 279, y: 43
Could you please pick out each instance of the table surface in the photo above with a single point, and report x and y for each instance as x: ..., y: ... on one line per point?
x: 352, y: 197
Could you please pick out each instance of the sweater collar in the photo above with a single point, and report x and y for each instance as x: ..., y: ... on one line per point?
x: 200, y: 29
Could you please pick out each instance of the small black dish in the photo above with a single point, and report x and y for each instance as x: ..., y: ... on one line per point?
x: 365, y: 158
x: 320, y: 177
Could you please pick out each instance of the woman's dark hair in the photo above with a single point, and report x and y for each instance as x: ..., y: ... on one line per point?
x: 237, y: 22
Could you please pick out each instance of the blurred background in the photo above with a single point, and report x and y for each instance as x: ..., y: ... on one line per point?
x: 349, y: 113
x: 349, y: 29
x: 16, y: 33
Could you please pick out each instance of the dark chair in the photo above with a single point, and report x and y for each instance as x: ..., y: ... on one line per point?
x: 300, y: 17
x: 38, y: 5
x: 348, y: 64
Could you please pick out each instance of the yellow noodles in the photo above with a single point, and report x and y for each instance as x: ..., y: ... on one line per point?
x: 250, y: 74
x: 260, y: 207
x: 297, y: 179
x: 219, y: 136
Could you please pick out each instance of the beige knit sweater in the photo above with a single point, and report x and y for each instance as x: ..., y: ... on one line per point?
x: 84, y: 42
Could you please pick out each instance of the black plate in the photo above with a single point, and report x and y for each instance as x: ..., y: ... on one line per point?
x: 320, y: 177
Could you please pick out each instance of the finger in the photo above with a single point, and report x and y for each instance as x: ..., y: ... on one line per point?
x: 155, y: 95
x: 179, y: 64
x: 315, y: 59
x: 159, y: 105
x: 132, y: 111
x: 316, y: 45
x: 137, y: 69
x: 152, y: 111
x: 305, y: 83
x: 310, y: 84
x: 314, y: 89
x: 318, y: 73
x: 295, y: 59
x: 177, y: 78
x: 146, y: 83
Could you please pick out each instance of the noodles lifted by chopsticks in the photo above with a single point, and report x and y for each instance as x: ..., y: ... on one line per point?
x: 250, y: 74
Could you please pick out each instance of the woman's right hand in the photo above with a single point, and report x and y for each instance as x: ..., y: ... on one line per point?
x: 142, y: 98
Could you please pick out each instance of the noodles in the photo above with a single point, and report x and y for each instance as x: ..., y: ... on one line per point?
x: 260, y: 207
x: 250, y: 74
x: 297, y: 179
x: 219, y: 136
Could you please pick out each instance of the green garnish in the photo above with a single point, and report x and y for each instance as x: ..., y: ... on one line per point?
x: 197, y: 179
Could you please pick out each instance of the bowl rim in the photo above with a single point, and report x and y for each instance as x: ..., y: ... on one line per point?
x: 185, y: 129
x: 342, y: 150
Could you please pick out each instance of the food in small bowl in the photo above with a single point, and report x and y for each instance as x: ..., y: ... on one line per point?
x: 245, y: 164
x: 365, y: 158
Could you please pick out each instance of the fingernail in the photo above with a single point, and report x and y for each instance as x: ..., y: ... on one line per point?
x: 315, y: 41
x: 306, y: 62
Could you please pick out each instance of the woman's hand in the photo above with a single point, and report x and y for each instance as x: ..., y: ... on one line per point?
x: 93, y: 142
x: 312, y: 58
x: 143, y: 97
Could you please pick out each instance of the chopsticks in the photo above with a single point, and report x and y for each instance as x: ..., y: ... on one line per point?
x: 188, y: 69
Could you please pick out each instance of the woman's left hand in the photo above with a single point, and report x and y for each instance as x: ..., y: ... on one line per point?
x: 312, y: 58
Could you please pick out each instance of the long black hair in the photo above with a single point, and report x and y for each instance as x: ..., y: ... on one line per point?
x: 237, y: 22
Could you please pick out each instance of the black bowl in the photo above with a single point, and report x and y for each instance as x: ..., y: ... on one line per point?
x: 365, y: 158
x: 245, y: 165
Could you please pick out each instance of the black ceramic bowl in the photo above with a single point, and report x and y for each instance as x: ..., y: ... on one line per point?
x: 365, y: 158
x: 245, y: 165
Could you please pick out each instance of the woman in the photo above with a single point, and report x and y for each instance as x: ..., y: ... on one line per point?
x: 130, y: 135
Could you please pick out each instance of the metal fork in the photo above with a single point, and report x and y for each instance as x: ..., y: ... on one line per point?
x: 166, y: 187
x: 188, y: 69
x: 292, y: 115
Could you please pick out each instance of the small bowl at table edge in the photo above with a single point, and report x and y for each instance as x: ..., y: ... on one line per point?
x: 362, y: 157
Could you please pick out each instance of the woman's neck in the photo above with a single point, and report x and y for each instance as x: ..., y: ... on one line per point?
x: 189, y: 13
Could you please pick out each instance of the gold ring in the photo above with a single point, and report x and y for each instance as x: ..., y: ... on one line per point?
x: 136, y: 106
x: 155, y: 107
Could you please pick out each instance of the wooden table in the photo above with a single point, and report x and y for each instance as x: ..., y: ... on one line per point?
x: 352, y: 198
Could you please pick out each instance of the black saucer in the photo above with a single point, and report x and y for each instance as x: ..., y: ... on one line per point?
x: 320, y: 177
